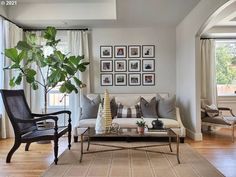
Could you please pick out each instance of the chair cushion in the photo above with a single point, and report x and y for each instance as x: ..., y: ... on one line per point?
x: 215, y: 120
x: 128, y: 112
x: 166, y: 107
x: 148, y: 108
x: 90, y: 107
x: 211, y: 110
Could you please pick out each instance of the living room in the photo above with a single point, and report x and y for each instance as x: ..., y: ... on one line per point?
x: 135, y: 49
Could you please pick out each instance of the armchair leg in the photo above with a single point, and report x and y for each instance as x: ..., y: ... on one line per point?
x: 232, y: 132
x: 11, y: 152
x: 75, y: 139
x: 27, y: 146
x: 56, y: 150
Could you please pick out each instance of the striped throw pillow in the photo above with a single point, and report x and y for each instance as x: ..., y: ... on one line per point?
x: 128, y: 112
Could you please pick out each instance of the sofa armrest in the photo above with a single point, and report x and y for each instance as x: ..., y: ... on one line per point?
x: 75, y: 132
x: 182, y: 128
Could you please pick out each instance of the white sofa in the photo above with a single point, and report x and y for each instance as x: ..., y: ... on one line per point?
x: 129, y: 100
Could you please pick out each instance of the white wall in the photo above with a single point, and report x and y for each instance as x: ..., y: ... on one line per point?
x: 162, y: 38
x: 3, y: 11
x: 188, y: 64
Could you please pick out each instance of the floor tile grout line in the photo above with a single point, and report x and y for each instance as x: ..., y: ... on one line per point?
x: 110, y: 166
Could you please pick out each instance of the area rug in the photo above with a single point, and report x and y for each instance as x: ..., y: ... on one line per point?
x: 132, y: 163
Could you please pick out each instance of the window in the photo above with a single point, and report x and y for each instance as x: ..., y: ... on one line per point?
x: 55, y: 98
x: 226, y: 67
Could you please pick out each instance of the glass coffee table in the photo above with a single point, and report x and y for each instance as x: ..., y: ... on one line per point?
x: 128, y: 133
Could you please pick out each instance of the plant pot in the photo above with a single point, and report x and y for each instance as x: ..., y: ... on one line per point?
x: 141, y: 130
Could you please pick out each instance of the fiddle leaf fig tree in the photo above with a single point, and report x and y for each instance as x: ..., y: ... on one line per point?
x: 56, y: 69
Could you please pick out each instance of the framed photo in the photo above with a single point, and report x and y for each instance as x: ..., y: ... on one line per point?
x: 134, y: 65
x: 120, y: 66
x: 105, y: 51
x: 134, y: 79
x: 134, y: 51
x: 148, y: 65
x: 106, y: 65
x: 148, y: 51
x: 120, y: 79
x: 106, y: 79
x: 149, y: 79
x: 120, y: 51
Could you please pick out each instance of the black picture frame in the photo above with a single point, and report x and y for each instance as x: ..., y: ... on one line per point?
x: 134, y: 79
x: 148, y: 65
x: 106, y: 51
x: 106, y: 79
x: 106, y: 65
x: 120, y: 65
x: 132, y: 50
x: 133, y: 67
x: 120, y: 51
x: 148, y: 51
x: 122, y: 75
x: 148, y: 79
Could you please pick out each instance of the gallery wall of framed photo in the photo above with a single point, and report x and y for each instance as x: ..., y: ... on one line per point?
x: 132, y: 65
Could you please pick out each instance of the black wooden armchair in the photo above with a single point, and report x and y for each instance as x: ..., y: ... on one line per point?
x: 24, y: 123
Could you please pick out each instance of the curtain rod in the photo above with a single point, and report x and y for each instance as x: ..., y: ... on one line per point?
x: 10, y: 21
x: 60, y: 29
x: 224, y: 38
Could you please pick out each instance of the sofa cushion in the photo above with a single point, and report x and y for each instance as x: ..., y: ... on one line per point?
x: 148, y: 108
x: 128, y: 112
x: 84, y: 123
x: 90, y: 107
x: 166, y: 107
x: 126, y: 123
x: 168, y: 123
x: 127, y: 101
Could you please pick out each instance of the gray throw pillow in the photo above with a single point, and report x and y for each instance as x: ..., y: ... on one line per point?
x: 148, y: 108
x: 90, y: 107
x: 166, y: 107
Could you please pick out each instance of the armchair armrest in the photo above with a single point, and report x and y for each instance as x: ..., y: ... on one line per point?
x: 53, y: 113
x: 55, y: 118
x: 224, y: 109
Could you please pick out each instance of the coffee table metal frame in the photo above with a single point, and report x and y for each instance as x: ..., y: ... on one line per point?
x: 90, y: 133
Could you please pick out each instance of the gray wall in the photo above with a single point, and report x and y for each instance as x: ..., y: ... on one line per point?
x: 162, y: 38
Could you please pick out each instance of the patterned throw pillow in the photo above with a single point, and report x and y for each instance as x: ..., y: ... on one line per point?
x: 128, y: 112
x: 212, y: 110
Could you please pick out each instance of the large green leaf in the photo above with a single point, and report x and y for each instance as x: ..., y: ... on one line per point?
x: 31, y: 38
x: 18, y: 79
x: 62, y: 89
x: 77, y: 81
x: 12, y: 54
x: 23, y: 45
x: 60, y: 56
x: 69, y: 69
x: 12, y: 82
x: 34, y: 86
x: 30, y: 72
x: 22, y: 55
x: 50, y: 33
x: 15, y: 66
x: 30, y: 79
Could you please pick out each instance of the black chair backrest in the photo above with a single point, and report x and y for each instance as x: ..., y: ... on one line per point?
x: 17, y: 108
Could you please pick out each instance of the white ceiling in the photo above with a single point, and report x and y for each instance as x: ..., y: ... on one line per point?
x: 130, y: 13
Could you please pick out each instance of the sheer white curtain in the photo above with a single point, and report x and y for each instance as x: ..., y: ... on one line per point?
x: 208, y: 71
x: 34, y: 97
x: 10, y: 34
x: 79, y: 45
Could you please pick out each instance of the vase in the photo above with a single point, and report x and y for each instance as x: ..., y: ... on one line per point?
x: 141, y: 130
x: 100, y: 126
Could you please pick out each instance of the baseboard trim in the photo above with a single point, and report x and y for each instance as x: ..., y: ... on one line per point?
x: 193, y: 135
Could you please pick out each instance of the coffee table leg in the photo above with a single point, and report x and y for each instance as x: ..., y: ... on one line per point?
x: 88, y: 139
x: 81, y: 149
x: 170, y: 144
x: 177, y: 148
